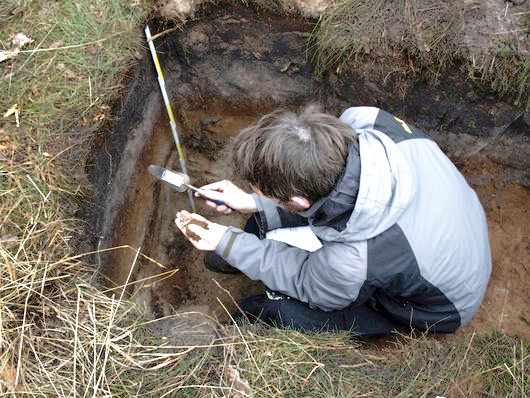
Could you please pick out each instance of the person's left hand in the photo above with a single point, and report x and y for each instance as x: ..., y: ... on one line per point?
x: 205, y: 237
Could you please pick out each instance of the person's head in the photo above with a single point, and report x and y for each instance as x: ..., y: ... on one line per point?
x: 295, y: 158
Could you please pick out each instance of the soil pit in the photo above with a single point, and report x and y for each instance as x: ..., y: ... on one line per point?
x: 174, y: 276
x: 231, y: 66
x: 193, y: 284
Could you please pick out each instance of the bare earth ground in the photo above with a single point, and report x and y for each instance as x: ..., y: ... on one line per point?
x: 505, y: 307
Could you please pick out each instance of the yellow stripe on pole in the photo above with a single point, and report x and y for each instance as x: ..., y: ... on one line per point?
x: 179, y: 150
x: 173, y: 125
x: 157, y: 65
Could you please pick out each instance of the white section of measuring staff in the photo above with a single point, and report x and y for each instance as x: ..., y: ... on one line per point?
x: 172, y: 124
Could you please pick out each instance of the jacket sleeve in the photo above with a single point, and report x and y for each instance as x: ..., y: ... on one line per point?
x: 329, y: 278
x: 272, y: 217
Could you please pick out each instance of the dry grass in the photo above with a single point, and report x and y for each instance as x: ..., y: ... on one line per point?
x: 426, y: 37
x: 355, y: 29
x: 62, y: 336
x: 257, y: 361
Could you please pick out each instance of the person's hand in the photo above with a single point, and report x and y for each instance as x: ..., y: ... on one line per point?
x: 203, y: 234
x: 231, y: 195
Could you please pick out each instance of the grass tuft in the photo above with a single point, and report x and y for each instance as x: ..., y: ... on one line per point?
x: 353, y: 29
x: 75, y: 67
x: 428, y: 37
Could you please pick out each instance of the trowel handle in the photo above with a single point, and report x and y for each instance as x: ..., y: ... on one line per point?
x: 217, y: 202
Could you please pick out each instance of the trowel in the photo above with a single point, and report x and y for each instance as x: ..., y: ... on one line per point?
x: 179, y: 181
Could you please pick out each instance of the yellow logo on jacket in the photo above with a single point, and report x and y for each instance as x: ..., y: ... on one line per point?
x: 404, y: 125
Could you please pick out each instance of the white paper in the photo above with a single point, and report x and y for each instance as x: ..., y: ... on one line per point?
x: 301, y: 237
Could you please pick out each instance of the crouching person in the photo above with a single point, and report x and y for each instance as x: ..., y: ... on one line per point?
x: 401, y: 239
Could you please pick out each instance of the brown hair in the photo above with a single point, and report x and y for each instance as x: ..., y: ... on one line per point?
x: 289, y: 154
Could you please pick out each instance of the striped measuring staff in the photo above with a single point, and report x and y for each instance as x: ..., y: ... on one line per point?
x: 162, y: 84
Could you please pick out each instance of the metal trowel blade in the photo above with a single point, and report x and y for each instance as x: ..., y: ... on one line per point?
x: 175, y: 179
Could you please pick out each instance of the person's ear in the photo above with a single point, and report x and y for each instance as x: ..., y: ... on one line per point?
x: 300, y: 201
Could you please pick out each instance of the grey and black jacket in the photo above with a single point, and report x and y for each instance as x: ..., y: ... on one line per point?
x: 401, y: 226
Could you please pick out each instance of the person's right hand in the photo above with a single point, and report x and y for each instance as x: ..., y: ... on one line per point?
x: 231, y: 195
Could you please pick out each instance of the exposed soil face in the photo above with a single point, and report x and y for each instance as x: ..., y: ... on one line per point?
x: 507, y: 205
x: 224, y: 71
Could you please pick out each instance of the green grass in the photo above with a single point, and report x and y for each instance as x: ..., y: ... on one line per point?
x: 355, y: 29
x: 63, y: 83
x: 74, y: 68
x: 505, y: 361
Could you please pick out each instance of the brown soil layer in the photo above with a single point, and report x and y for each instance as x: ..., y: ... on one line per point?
x: 506, y: 306
x: 193, y: 284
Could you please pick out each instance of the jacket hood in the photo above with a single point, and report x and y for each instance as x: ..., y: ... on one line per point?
x: 370, y: 196
x: 335, y: 209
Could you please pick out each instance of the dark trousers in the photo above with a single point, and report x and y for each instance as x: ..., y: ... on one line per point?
x: 276, y: 309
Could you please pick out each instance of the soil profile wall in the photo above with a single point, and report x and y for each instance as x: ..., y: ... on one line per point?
x: 223, y: 71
